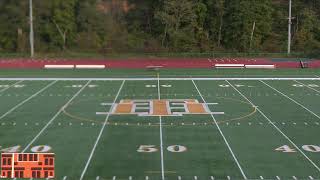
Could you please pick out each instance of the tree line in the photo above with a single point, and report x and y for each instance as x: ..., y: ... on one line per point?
x: 116, y: 26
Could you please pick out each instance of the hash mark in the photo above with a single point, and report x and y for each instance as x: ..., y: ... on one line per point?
x: 310, y: 177
x: 212, y: 178
x: 114, y: 178
x: 295, y: 178
x: 278, y: 178
x: 64, y: 178
x: 261, y: 177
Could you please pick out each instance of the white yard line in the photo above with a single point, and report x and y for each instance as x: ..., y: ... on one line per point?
x: 55, y: 116
x: 291, y: 99
x: 26, y: 100
x: 4, y: 89
x: 307, y: 86
x: 276, y: 127
x: 100, y: 133
x: 155, y: 79
x: 160, y: 129
x: 224, y: 138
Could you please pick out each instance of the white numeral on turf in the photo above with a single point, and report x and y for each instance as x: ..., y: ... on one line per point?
x: 153, y: 148
x: 36, y: 149
x: 311, y: 148
x: 147, y: 148
x: 177, y: 148
x: 285, y: 148
x: 227, y: 85
x: 15, y: 86
x: 41, y: 149
x: 154, y: 86
x: 308, y: 85
x: 13, y: 149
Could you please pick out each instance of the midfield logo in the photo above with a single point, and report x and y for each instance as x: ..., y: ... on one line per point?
x: 27, y: 165
x: 171, y: 107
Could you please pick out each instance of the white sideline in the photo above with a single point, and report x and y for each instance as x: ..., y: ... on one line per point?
x: 151, y: 79
x: 100, y: 133
x: 291, y: 99
x: 224, y: 138
x: 55, y: 116
x: 4, y: 89
x: 160, y: 129
x: 26, y: 100
x: 276, y: 127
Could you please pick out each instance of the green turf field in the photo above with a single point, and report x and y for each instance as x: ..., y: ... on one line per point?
x: 258, y: 125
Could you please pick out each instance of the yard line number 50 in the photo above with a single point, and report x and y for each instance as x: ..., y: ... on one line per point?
x: 153, y: 148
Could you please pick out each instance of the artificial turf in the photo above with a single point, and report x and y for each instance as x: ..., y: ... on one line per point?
x: 259, y: 117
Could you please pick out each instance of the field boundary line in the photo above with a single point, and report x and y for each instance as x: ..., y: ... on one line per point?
x: 55, y: 116
x: 276, y: 127
x: 224, y: 138
x: 100, y: 133
x: 307, y: 86
x: 296, y: 102
x: 152, y: 79
x: 160, y: 129
x: 4, y: 89
x: 26, y: 100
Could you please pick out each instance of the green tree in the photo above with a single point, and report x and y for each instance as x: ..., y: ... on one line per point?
x: 180, y: 20
x: 241, y: 15
x: 64, y: 19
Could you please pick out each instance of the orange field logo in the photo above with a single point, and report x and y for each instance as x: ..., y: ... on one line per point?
x: 27, y: 165
x: 171, y: 107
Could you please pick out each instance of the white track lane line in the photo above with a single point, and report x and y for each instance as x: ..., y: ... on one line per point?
x: 4, y: 89
x: 291, y: 99
x: 224, y: 138
x: 153, y: 79
x: 54, y: 117
x: 161, y: 139
x: 100, y: 133
x: 276, y: 127
x: 26, y: 100
x: 307, y: 86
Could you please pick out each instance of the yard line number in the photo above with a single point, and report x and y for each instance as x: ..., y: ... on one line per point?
x: 80, y: 86
x: 236, y: 85
x: 306, y: 85
x: 14, y: 86
x: 154, y: 85
x: 153, y: 148
x: 308, y: 148
x: 35, y: 149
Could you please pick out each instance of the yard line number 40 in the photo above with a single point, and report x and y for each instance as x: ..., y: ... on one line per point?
x: 35, y: 149
x: 308, y: 148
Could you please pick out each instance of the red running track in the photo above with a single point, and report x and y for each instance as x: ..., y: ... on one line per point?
x: 143, y: 63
